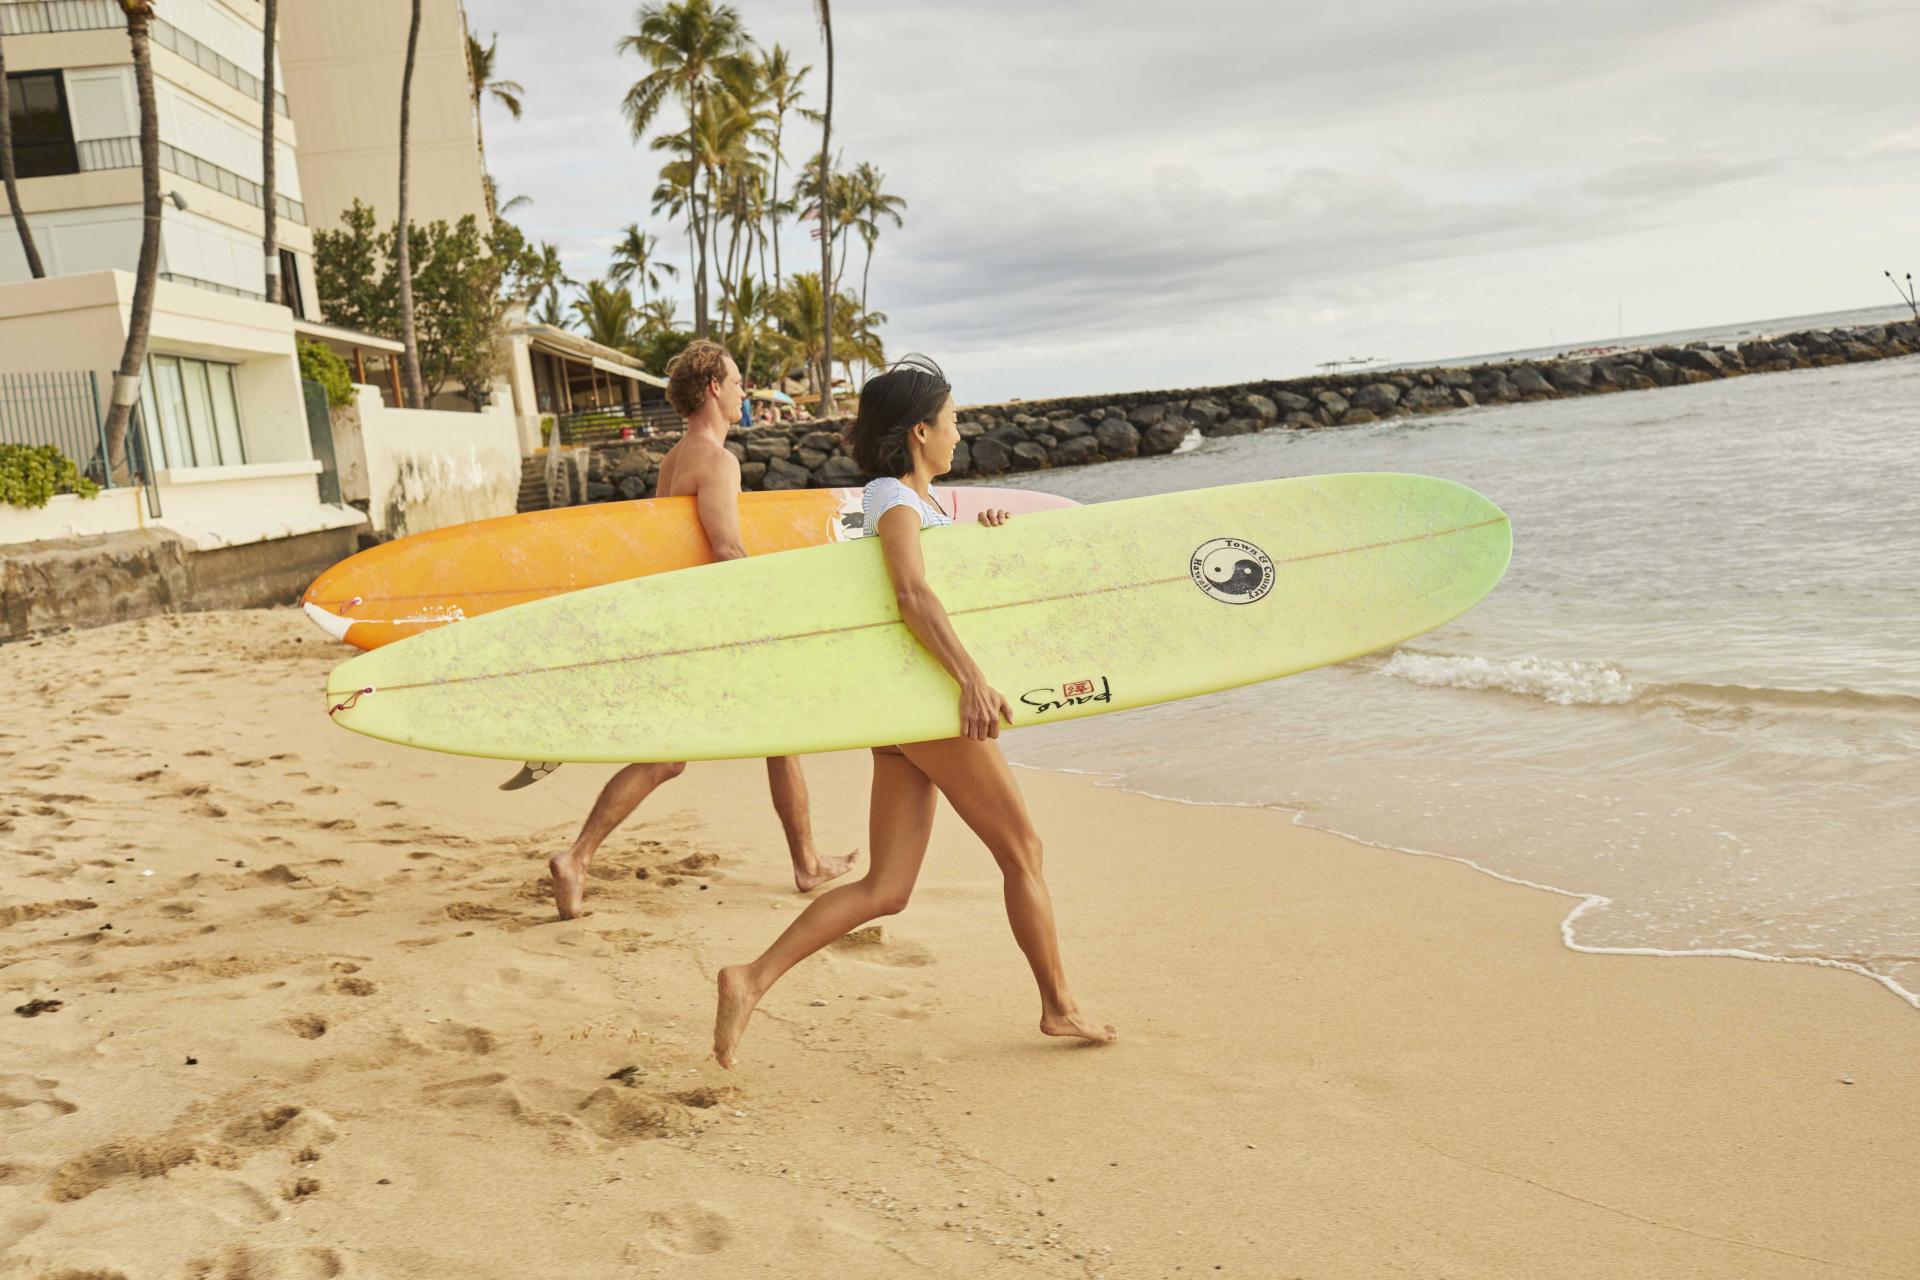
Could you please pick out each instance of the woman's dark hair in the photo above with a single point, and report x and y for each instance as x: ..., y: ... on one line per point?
x: 899, y: 398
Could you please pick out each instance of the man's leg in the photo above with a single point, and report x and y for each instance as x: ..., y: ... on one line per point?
x: 619, y: 798
x: 789, y: 787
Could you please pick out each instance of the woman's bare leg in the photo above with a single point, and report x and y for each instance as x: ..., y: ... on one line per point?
x: 789, y: 787
x: 977, y: 782
x: 900, y: 819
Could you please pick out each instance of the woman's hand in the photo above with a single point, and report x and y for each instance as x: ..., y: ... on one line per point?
x: 995, y: 517
x: 982, y: 709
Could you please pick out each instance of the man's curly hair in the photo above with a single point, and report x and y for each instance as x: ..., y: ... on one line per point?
x: 689, y: 373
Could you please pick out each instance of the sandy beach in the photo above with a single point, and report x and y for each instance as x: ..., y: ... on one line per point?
x: 303, y: 1010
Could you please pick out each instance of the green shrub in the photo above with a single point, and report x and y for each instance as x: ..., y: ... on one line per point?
x: 30, y: 474
x: 320, y: 363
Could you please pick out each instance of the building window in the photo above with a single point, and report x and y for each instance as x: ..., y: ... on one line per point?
x: 290, y: 284
x: 191, y: 407
x: 42, y: 130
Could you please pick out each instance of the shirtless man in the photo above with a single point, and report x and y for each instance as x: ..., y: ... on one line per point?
x: 703, y: 383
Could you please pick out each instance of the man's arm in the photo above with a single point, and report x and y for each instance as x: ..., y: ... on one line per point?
x: 716, y: 497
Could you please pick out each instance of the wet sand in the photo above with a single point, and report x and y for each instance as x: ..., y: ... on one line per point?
x: 338, y: 1032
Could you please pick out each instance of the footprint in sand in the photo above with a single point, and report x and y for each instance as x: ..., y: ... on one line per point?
x: 308, y: 1026
x: 27, y: 1100
x: 353, y: 986
x: 872, y: 946
x: 690, y: 1231
x: 252, y: 1262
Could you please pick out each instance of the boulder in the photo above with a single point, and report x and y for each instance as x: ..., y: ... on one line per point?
x: 1008, y: 435
x: 1145, y: 416
x: 1701, y: 359
x: 990, y: 457
x: 1070, y: 427
x: 1163, y: 437
x: 632, y: 485
x: 810, y: 458
x: 824, y: 441
x: 1206, y: 410
x: 1076, y: 451
x: 1529, y: 381
x: 840, y: 471
x: 1492, y: 384
x: 1332, y: 402
x: 1377, y: 396
x: 600, y: 492
x: 972, y: 429
x: 1119, y: 439
x: 752, y: 475
x: 1230, y: 427
x: 1030, y: 456
x: 782, y: 474
x: 1464, y: 398
x: 761, y: 448
x: 1299, y: 418
x: 1458, y: 379
x: 737, y: 449
x: 962, y: 464
x: 1571, y: 376
x: 1288, y: 402
x: 1256, y: 406
x: 1358, y: 417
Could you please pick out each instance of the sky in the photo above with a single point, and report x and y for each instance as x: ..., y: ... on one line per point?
x: 1125, y: 195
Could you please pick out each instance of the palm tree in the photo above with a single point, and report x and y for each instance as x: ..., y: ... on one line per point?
x: 874, y: 204
x: 636, y: 258
x: 607, y: 314
x: 662, y: 315
x: 269, y: 249
x: 823, y: 9
x: 687, y: 43
x: 133, y: 357
x: 7, y: 175
x: 404, y: 254
x: 750, y: 303
x: 549, y: 311
x: 782, y: 80
x: 546, y: 277
x: 480, y: 83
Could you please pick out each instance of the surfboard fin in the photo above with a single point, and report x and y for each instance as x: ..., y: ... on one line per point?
x: 530, y: 772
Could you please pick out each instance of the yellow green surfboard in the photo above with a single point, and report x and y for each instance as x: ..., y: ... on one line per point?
x: 1070, y: 613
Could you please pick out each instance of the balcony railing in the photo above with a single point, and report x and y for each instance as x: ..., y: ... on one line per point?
x: 616, y: 422
x: 99, y: 154
x: 45, y: 17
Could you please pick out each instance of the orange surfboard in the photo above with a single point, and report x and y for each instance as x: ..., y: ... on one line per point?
x: 415, y: 584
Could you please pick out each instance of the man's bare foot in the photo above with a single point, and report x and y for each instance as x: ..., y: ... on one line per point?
x: 737, y: 999
x: 823, y: 870
x: 1077, y: 1026
x: 569, y: 884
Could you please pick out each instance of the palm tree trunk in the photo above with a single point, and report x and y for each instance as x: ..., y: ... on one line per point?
x: 475, y: 90
x: 269, y: 249
x: 7, y: 176
x: 866, y: 270
x: 773, y: 212
x: 404, y: 253
x: 126, y: 386
x: 825, y: 9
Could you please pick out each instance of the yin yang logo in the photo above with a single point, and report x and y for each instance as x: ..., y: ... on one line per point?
x: 1232, y: 570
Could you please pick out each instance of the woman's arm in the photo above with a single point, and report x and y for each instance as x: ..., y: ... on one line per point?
x: 981, y: 706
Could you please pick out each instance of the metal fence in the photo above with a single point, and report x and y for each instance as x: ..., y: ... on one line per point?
x: 617, y: 422
x: 63, y: 409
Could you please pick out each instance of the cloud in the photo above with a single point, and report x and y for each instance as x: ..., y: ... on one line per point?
x: 1084, y: 179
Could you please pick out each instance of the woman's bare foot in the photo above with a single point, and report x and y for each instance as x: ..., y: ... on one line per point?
x: 1078, y: 1026
x: 823, y: 870
x: 569, y: 884
x: 737, y: 1000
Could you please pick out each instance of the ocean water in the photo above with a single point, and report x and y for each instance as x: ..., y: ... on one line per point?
x: 1693, y: 705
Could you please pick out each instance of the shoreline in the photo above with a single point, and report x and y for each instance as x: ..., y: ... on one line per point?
x: 1584, y: 901
x: 340, y: 1007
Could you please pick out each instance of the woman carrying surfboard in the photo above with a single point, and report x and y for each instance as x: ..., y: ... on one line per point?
x: 905, y: 432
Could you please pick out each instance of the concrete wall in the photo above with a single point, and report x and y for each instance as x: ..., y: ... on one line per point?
x: 427, y: 469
